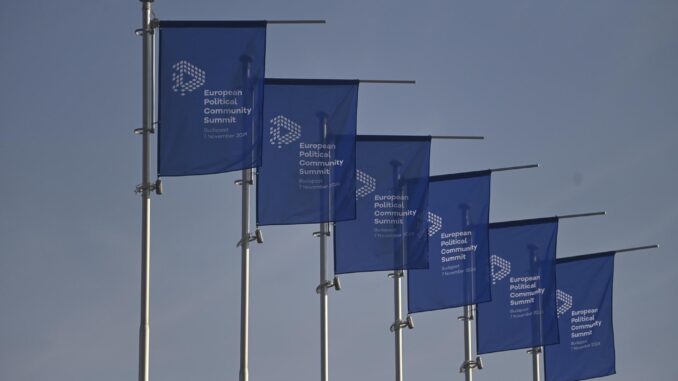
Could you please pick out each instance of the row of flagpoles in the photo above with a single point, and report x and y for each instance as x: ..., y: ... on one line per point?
x: 297, y: 141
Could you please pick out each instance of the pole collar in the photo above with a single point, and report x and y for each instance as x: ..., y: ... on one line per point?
x: 471, y: 364
x: 328, y: 284
x: 400, y: 324
x: 396, y: 274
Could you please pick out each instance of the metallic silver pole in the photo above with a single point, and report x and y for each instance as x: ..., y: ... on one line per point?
x: 536, y: 363
x: 397, y: 283
x: 324, y: 331
x: 469, y: 363
x: 145, y: 188
x: 397, y: 314
x: 397, y: 276
x: 536, y: 351
x: 246, y: 237
x: 468, y: 343
x: 245, y: 182
x: 324, y: 282
x: 324, y: 232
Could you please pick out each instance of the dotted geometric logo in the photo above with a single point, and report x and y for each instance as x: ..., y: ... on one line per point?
x: 435, y: 223
x: 186, y: 77
x: 500, y: 268
x: 368, y: 184
x: 276, y: 131
x: 564, y: 301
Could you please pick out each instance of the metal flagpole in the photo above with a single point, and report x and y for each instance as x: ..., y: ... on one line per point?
x: 536, y: 363
x: 397, y: 275
x: 146, y: 187
x: 469, y: 362
x: 322, y: 291
x: 324, y: 282
x: 246, y: 182
x: 399, y: 324
x: 536, y: 352
x: 324, y: 232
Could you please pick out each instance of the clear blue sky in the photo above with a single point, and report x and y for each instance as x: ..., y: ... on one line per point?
x: 588, y: 89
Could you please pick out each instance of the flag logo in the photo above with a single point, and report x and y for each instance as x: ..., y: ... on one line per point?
x: 292, y: 131
x: 564, y: 301
x: 368, y: 184
x: 435, y: 223
x: 186, y: 77
x: 500, y: 268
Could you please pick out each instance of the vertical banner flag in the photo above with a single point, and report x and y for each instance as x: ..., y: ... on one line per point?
x: 522, y: 313
x: 584, y: 318
x: 210, y: 96
x: 390, y: 231
x: 458, y: 244
x: 309, y: 152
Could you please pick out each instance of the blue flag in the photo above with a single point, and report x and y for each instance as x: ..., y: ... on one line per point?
x: 458, y: 244
x: 309, y: 152
x: 210, y: 96
x: 522, y: 313
x: 390, y: 229
x: 585, y: 319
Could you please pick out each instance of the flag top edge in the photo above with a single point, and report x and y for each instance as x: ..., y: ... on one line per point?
x: 462, y: 175
x: 576, y: 258
x: 376, y: 138
x: 212, y: 24
x: 309, y: 81
x: 531, y: 221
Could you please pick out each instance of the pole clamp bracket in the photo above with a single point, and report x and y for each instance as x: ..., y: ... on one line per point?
x: 150, y: 187
x: 141, y: 130
x: 249, y: 237
x: 396, y: 274
x: 241, y: 182
x: 471, y: 364
x: 534, y: 350
x: 400, y: 324
x: 142, y: 32
x: 151, y: 28
x: 464, y: 318
x: 320, y: 234
x: 334, y: 283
